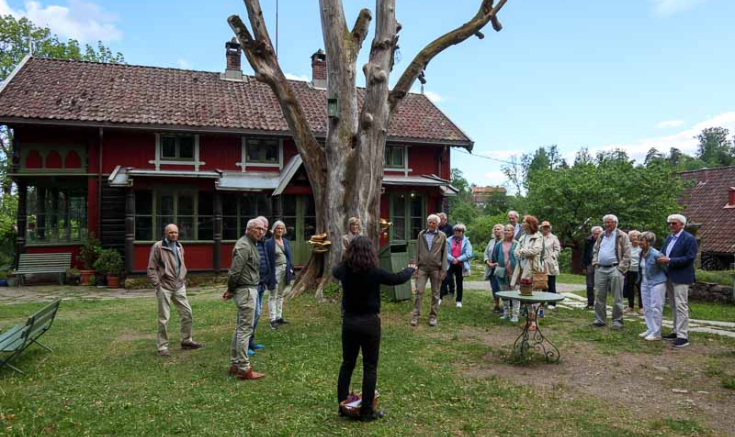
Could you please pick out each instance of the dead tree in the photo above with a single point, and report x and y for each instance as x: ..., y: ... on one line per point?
x: 346, y: 173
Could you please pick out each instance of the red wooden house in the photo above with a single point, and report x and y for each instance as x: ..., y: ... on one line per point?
x: 122, y: 150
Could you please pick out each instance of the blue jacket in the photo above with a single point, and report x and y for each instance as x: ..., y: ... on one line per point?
x: 683, y: 254
x: 270, y: 248
x: 655, y: 272
x: 465, y: 254
x: 508, y: 264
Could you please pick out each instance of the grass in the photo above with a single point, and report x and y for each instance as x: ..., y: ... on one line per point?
x: 104, y: 377
x: 722, y: 277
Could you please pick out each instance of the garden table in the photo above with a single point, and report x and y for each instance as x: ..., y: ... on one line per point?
x: 533, y: 339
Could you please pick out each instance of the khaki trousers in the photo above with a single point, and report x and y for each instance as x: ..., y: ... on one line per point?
x: 275, y: 296
x: 678, y: 296
x: 246, y: 299
x: 435, y: 277
x: 608, y: 279
x: 178, y: 297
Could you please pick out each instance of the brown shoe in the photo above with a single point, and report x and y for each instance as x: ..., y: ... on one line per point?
x: 249, y: 374
x: 164, y: 353
x: 191, y: 344
x: 233, y: 370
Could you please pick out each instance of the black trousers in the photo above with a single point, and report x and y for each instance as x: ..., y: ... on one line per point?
x: 447, y: 285
x: 590, y: 285
x: 454, y: 275
x: 552, y: 287
x: 360, y: 332
x: 631, y: 288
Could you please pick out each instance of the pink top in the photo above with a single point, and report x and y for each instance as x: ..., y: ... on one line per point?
x: 506, y: 251
x: 456, y: 247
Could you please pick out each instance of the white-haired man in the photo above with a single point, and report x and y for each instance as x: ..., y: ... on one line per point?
x: 611, y: 260
x: 167, y: 273
x: 680, y: 250
x: 589, y: 269
x: 513, y: 220
x: 431, y: 262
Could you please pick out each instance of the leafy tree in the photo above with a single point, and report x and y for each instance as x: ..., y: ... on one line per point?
x: 461, y: 207
x: 714, y: 148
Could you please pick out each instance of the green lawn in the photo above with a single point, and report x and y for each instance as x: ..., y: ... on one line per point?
x: 104, y: 377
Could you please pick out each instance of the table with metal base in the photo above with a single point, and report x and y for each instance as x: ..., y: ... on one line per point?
x: 533, y: 340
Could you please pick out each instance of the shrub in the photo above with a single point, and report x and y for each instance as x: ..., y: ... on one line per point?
x: 89, y: 252
x: 722, y: 277
x: 109, y: 262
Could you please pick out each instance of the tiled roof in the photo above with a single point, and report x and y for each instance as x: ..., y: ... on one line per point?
x: 705, y: 203
x: 73, y: 91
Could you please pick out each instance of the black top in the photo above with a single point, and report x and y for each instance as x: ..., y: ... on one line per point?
x: 361, y: 291
x: 589, y: 246
x: 447, y: 229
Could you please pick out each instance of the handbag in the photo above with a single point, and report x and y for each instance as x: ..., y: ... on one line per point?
x: 499, y: 272
x: 541, y: 279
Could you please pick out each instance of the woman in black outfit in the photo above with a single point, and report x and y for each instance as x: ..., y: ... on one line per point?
x: 361, y: 279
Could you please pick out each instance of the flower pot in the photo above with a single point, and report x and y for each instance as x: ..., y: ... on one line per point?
x: 113, y: 281
x: 84, y: 276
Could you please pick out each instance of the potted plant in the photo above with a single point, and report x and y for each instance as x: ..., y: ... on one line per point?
x: 72, y: 276
x: 88, y: 254
x: 110, y: 263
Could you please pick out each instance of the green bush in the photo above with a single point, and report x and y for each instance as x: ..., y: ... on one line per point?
x: 722, y: 277
x: 109, y: 262
x: 565, y: 260
x: 89, y: 252
x: 480, y: 231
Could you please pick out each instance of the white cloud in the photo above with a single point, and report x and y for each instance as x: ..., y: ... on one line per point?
x: 670, y: 123
x: 494, y: 178
x: 434, y: 97
x: 671, y: 7
x: 684, y: 140
x: 83, y: 21
x: 290, y: 76
x: 183, y: 63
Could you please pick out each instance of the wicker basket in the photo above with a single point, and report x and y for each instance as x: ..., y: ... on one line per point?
x: 526, y: 290
x: 354, y: 411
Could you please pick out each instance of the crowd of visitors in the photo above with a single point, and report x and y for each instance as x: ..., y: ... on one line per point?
x: 623, y: 265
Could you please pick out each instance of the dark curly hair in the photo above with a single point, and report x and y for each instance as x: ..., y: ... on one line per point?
x: 361, y: 255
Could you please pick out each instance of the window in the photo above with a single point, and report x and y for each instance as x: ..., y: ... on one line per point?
x: 238, y: 209
x: 395, y: 157
x: 192, y: 212
x: 177, y: 147
x: 262, y: 151
x: 56, y: 215
x: 407, y: 215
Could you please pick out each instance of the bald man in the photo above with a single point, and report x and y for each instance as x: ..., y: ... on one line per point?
x: 167, y: 273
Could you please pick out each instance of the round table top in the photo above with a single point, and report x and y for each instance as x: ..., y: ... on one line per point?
x: 537, y: 297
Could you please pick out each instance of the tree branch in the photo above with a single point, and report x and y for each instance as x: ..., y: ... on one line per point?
x: 486, y: 13
x: 360, y: 30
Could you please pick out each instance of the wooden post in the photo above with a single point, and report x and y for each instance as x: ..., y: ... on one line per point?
x: 129, y: 230
x: 41, y: 213
x: 217, y: 255
x: 22, y: 216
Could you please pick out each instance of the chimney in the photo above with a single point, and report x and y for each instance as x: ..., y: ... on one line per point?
x: 233, y: 53
x: 731, y: 198
x: 319, y: 69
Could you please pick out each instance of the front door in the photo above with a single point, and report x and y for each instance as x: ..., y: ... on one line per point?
x: 407, y: 213
x: 299, y: 215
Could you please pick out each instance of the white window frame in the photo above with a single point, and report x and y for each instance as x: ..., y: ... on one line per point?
x: 243, y: 164
x: 158, y: 161
x: 405, y: 169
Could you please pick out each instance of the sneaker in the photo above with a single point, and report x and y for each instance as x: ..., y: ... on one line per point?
x: 514, y: 319
x: 251, y: 352
x: 191, y: 344
x: 497, y: 310
x: 551, y: 307
x: 282, y: 321
x: 459, y: 304
x: 670, y: 337
x: 652, y: 337
x: 681, y: 342
x: 617, y: 325
x: 432, y: 321
x: 598, y: 324
x: 439, y: 303
x: 644, y: 334
x: 541, y: 313
x: 628, y: 310
x: 589, y: 307
x: 258, y: 347
x: 371, y: 416
x: 274, y: 325
x: 504, y: 317
x: 164, y: 353
x: 414, y: 321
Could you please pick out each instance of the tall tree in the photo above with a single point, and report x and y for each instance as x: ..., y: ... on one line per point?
x: 346, y: 173
x: 715, y: 147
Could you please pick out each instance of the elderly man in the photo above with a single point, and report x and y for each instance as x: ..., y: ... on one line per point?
x: 611, y: 260
x: 513, y: 220
x: 680, y: 250
x: 242, y: 285
x: 167, y: 273
x: 589, y: 269
x: 431, y: 261
x: 266, y: 282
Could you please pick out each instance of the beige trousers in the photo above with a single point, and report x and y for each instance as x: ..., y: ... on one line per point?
x: 246, y: 298
x: 678, y: 296
x: 178, y: 297
x: 275, y: 296
x: 435, y: 277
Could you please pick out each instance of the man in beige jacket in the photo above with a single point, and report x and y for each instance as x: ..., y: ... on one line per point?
x: 431, y: 263
x: 166, y: 271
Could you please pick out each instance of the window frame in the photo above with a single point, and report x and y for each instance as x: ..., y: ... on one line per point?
x: 407, y: 216
x: 240, y: 226
x: 160, y: 160
x: 244, y: 163
x: 71, y: 214
x: 154, y: 216
x: 403, y: 168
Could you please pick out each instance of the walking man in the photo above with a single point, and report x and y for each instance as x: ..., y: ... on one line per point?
x: 611, y: 260
x: 167, y: 273
x: 589, y: 269
x: 680, y: 250
x: 242, y: 285
x: 431, y: 254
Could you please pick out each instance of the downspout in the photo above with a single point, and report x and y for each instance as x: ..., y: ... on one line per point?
x: 99, y: 184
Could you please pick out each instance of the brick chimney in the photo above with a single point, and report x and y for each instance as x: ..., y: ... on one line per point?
x: 731, y: 198
x: 233, y: 53
x: 319, y: 69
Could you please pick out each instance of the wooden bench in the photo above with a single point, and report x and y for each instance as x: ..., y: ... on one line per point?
x: 37, y: 263
x: 17, y: 339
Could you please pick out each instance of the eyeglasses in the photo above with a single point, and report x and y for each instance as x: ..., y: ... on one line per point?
x: 672, y: 223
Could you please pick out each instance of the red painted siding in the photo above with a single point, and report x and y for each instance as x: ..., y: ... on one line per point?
x: 220, y: 152
x: 423, y: 160
x: 128, y: 149
x: 227, y: 255
x: 197, y: 256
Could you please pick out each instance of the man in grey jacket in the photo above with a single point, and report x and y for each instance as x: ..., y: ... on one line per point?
x: 431, y: 255
x: 167, y: 273
x: 611, y: 260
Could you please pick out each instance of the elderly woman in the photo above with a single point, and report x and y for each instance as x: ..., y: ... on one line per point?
x: 459, y: 254
x: 504, y: 262
x: 551, y: 250
x: 281, y: 268
x: 631, y: 284
x: 528, y: 254
x: 490, y: 265
x: 354, y: 225
x: 653, y: 286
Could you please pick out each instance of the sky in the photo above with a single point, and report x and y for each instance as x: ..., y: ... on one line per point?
x: 630, y: 74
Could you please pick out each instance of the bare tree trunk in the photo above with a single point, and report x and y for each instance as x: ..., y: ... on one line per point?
x: 346, y: 174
